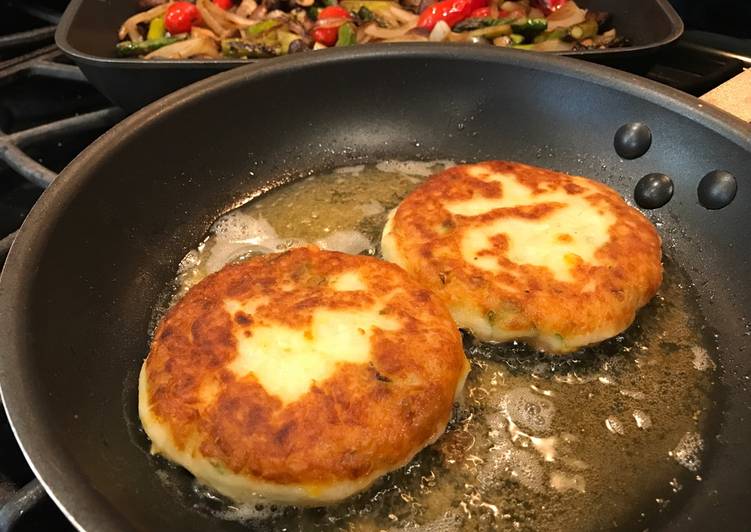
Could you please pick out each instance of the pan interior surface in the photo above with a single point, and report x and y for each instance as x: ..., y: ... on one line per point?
x: 533, y: 431
x: 106, y: 239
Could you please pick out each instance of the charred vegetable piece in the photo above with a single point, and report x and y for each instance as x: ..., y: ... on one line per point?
x: 347, y: 35
x: 529, y: 27
x: 156, y: 29
x: 313, y: 13
x: 286, y: 38
x: 240, y: 49
x: 296, y: 46
x: 602, y: 18
x: 374, y: 6
x: 491, y: 32
x: 365, y: 14
x: 133, y: 49
x: 481, y: 22
x: 558, y: 33
x: 585, y: 30
x: 262, y: 27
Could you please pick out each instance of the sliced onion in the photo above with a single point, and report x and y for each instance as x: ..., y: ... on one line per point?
x: 386, y: 33
x: 130, y: 26
x: 409, y: 37
x: 209, y: 19
x: 535, y: 13
x: 185, y: 49
x: 197, y: 31
x: 246, y: 8
x: 389, y: 19
x: 228, y: 19
x: 259, y: 13
x: 440, y: 31
x: 568, y: 15
x: 403, y: 15
x: 240, y: 22
x: 362, y: 37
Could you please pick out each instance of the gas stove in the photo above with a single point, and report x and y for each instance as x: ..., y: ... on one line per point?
x: 49, y: 114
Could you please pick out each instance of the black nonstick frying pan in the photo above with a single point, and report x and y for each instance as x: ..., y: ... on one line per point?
x: 88, y: 33
x: 81, y: 280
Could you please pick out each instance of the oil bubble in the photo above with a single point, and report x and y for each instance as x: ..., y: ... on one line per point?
x: 688, y: 451
x: 528, y: 410
x: 509, y: 463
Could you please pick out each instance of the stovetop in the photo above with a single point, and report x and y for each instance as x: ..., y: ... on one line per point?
x: 49, y: 114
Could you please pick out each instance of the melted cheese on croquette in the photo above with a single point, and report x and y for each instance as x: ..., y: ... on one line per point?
x: 570, y: 234
x: 287, y: 361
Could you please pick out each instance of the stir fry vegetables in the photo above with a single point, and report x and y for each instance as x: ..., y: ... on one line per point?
x: 249, y: 29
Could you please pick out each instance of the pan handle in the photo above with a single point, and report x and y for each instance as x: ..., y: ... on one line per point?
x: 19, y: 503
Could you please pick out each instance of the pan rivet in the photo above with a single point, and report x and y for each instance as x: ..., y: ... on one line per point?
x: 653, y: 191
x: 717, y: 189
x: 632, y: 140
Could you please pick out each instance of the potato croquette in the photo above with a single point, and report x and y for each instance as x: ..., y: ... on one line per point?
x: 301, y: 377
x: 523, y: 253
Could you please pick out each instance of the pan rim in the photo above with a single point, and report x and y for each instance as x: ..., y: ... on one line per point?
x: 66, y: 22
x: 83, y: 505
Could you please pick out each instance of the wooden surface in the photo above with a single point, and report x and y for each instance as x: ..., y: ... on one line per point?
x: 733, y: 96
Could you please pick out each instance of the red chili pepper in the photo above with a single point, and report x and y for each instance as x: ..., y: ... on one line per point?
x: 327, y: 35
x: 483, y: 12
x: 180, y: 17
x: 449, y: 11
x: 479, y: 4
x: 224, y: 4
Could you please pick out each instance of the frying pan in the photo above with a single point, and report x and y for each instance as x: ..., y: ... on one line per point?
x: 91, y: 259
x: 88, y: 33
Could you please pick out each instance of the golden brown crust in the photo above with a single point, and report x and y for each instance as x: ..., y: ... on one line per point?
x: 364, y: 418
x: 626, y: 275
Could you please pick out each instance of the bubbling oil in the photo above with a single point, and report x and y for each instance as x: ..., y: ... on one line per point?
x: 597, y: 439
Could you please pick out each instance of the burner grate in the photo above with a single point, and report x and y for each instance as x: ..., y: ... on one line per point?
x: 20, y: 503
x: 42, y: 63
x: 31, y: 126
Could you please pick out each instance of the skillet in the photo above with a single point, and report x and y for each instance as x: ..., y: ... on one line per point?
x: 81, y: 280
x: 87, y: 34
